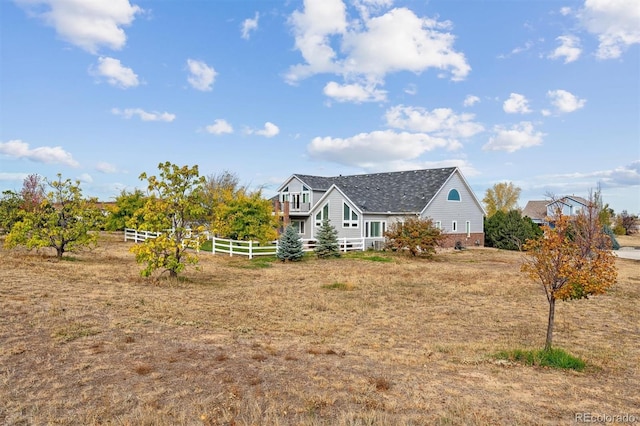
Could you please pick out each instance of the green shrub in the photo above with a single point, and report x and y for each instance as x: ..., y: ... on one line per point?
x: 327, y: 241
x: 290, y: 245
x: 509, y: 231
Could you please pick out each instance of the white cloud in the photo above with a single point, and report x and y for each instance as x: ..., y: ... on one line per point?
x: 411, y: 89
x: 249, y: 25
x: 564, y: 101
x: 401, y: 41
x: 85, y: 178
x: 519, y: 136
x: 354, y: 92
x: 269, y: 131
x: 516, y: 104
x: 615, y: 23
x: 104, y: 167
x: 441, y: 122
x: 527, y: 46
x: 370, y: 150
x: 44, y: 154
x: 623, y: 176
x: 144, y: 115
x: 470, y: 100
x: 219, y: 127
x: 367, y: 48
x: 564, y: 11
x: 116, y: 74
x: 202, y: 76
x: 86, y: 24
x: 569, y: 49
x: 517, y: 50
x: 312, y: 29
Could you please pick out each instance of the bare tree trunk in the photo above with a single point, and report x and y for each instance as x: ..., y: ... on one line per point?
x: 552, y: 310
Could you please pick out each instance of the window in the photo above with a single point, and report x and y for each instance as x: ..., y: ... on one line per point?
x: 468, y: 228
x: 305, y: 194
x: 454, y: 226
x: 454, y: 195
x: 322, y: 215
x: 295, y: 201
x: 298, y: 226
x: 438, y: 224
x: 375, y: 229
x: 285, y: 194
x: 349, y: 217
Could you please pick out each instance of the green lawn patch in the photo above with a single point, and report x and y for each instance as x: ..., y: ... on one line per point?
x: 555, y: 358
x: 340, y: 286
x: 367, y: 256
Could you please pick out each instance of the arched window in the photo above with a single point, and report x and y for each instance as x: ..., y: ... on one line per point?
x: 454, y: 195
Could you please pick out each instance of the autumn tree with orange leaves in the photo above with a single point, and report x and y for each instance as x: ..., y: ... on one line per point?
x: 572, y: 260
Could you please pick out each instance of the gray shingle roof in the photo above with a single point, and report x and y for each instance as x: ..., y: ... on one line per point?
x: 408, y: 191
x: 536, y: 210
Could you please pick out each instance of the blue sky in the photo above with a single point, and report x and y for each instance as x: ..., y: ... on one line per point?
x: 544, y: 94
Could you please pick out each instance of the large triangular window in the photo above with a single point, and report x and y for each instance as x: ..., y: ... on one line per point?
x: 349, y: 217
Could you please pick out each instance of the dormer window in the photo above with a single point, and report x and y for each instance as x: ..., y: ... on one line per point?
x: 454, y: 195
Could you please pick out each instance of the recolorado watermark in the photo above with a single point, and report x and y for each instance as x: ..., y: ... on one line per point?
x: 606, y: 418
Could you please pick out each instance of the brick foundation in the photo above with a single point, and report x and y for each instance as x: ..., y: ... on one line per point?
x: 470, y: 241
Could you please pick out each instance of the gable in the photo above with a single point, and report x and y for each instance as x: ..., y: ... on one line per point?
x: 455, y: 190
x: 294, y: 184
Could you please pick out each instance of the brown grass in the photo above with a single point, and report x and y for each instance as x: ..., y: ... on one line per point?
x: 90, y: 342
x: 632, y: 240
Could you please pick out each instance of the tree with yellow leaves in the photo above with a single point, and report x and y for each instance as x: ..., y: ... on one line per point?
x: 571, y: 260
x: 172, y: 208
x: 62, y: 219
x: 503, y: 196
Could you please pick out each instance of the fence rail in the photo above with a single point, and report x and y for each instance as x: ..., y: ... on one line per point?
x: 139, y: 236
x: 248, y: 248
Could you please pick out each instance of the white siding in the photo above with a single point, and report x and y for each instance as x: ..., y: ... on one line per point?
x: 294, y: 185
x: 335, y: 200
x: 447, y: 212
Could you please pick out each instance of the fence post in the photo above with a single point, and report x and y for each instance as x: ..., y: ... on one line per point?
x: 213, y: 244
x: 230, y: 248
x: 345, y: 244
x: 250, y: 249
x: 363, y: 244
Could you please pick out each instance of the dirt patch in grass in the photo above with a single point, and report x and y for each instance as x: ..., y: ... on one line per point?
x: 90, y: 342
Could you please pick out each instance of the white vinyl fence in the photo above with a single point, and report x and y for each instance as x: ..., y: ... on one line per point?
x: 248, y: 248
x: 138, y: 236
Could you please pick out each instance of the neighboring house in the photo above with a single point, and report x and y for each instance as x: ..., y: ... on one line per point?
x: 540, y: 211
x: 536, y: 211
x: 364, y: 206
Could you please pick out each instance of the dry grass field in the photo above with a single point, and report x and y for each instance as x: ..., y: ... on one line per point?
x: 350, y: 341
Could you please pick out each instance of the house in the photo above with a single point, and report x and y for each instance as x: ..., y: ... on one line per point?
x: 364, y: 206
x: 539, y: 211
